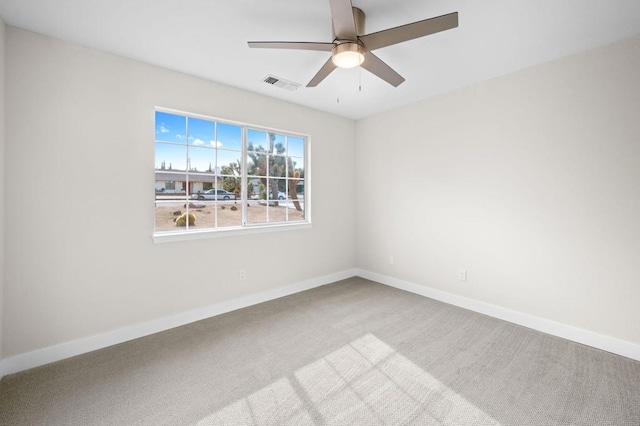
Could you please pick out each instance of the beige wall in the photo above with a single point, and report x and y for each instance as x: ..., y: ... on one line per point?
x: 2, y: 171
x: 82, y: 260
x: 530, y: 181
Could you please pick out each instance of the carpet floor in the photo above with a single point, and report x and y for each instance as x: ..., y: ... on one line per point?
x: 349, y: 353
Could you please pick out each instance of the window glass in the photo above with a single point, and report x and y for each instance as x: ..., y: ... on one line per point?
x: 229, y: 136
x: 201, y: 165
x: 257, y: 140
x: 202, y: 160
x: 171, y: 157
x: 201, y: 132
x: 171, y: 127
x: 229, y: 162
x: 295, y: 146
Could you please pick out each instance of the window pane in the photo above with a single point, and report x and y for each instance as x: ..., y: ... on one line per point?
x: 256, y: 164
x: 229, y: 162
x: 277, y: 213
x: 278, y: 142
x: 275, y: 209
x: 253, y: 189
x: 232, y: 185
x: 296, y: 164
x: 295, y: 201
x: 204, y: 212
x: 228, y: 213
x: 295, y: 188
x: 169, y: 183
x: 229, y: 136
x: 171, y: 157
x: 260, y: 187
x: 257, y: 140
x: 199, y: 183
x: 277, y: 189
x: 168, y: 212
x: 277, y: 166
x: 257, y: 212
x: 299, y: 185
x: 296, y: 146
x: 296, y: 211
x: 170, y: 127
x: 202, y: 159
x: 201, y: 132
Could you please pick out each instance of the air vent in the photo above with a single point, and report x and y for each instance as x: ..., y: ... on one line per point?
x: 281, y: 83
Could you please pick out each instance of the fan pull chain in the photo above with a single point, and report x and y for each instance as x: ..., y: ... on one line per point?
x: 360, y: 79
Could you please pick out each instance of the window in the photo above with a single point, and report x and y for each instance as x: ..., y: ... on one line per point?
x: 222, y: 176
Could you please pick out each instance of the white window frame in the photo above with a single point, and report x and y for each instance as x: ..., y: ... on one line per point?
x: 244, y: 228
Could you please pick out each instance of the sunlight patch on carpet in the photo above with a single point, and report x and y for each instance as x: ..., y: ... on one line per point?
x: 363, y: 382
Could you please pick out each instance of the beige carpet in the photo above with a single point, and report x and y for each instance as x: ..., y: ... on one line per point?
x: 350, y: 353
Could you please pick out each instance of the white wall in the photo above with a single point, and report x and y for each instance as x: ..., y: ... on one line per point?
x: 80, y: 187
x: 530, y: 181
x: 2, y: 169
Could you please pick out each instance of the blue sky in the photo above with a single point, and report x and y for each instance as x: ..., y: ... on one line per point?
x: 201, y: 138
x: 173, y: 128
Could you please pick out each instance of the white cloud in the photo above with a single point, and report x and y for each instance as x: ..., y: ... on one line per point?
x: 200, y: 142
x: 163, y: 128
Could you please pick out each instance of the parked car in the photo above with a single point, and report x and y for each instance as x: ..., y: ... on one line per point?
x: 214, y: 194
x: 281, y: 195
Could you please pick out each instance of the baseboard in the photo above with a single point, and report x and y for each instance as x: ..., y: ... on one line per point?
x: 585, y: 337
x: 61, y: 351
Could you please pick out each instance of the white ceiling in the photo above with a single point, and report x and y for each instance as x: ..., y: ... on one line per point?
x: 207, y: 38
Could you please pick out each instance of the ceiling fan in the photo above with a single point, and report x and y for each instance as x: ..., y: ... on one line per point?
x: 350, y: 47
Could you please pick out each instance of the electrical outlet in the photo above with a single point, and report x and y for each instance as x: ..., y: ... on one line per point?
x: 243, y: 274
x: 462, y: 274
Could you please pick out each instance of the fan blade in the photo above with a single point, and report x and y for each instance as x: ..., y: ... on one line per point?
x: 344, y: 25
x: 376, y: 66
x: 300, y: 45
x: 410, y: 31
x: 323, y: 73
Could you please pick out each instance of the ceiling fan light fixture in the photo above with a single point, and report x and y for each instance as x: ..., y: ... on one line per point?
x: 352, y: 47
x: 347, y: 55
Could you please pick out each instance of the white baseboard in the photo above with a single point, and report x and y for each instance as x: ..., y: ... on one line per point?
x: 585, y: 337
x: 61, y: 351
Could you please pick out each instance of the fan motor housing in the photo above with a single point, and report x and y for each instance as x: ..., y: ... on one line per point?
x: 347, y: 55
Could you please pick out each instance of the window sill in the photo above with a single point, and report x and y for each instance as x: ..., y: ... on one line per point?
x: 167, y: 237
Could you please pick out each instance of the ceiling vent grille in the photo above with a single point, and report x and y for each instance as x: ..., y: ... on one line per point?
x: 281, y: 83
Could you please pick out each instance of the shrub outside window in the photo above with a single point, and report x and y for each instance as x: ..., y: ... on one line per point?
x: 213, y: 175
